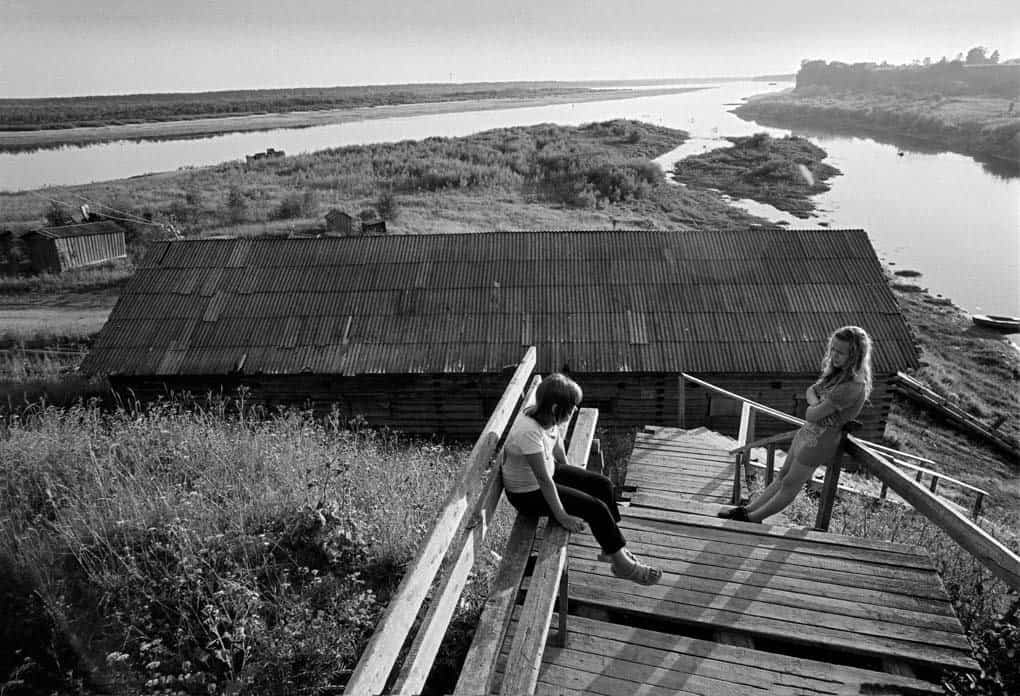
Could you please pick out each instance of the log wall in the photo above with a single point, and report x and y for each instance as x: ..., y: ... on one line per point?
x: 457, y: 405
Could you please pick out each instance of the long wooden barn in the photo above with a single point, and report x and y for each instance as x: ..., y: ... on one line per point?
x: 58, y: 249
x: 417, y: 332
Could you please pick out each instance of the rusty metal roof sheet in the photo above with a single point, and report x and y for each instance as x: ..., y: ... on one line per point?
x: 749, y: 301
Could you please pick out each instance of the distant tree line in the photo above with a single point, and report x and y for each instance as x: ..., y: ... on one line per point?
x: 70, y: 112
x: 976, y: 74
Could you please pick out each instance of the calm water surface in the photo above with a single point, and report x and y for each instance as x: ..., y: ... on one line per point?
x: 942, y: 214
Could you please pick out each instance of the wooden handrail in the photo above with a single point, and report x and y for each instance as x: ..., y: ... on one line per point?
x: 379, y: 657
x: 761, y: 408
x: 418, y: 662
x: 773, y: 440
x: 923, y: 470
x: 1002, y: 562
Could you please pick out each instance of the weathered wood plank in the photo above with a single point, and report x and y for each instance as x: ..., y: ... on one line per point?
x: 380, y: 655
x: 418, y: 662
x: 476, y: 675
x: 529, y: 640
x: 889, y: 551
x: 941, y: 629
x: 898, y: 596
x: 782, y: 623
x: 612, y: 639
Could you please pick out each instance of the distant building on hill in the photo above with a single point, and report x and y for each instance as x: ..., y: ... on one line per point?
x: 339, y: 222
x: 419, y: 332
x: 370, y: 227
x: 58, y: 249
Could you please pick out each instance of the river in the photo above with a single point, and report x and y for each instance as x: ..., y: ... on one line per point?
x: 942, y: 214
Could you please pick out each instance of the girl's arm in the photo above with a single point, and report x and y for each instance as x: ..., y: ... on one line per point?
x: 820, y: 410
x: 559, y: 454
x: 812, y: 395
x: 552, y: 498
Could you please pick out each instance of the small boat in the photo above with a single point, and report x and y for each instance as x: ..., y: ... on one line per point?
x: 999, y: 323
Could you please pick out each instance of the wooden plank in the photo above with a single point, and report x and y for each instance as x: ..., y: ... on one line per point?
x: 888, y: 551
x: 760, y: 666
x: 477, y: 673
x: 665, y: 602
x: 418, y: 662
x: 379, y: 656
x: 804, y: 595
x: 898, y: 596
x: 989, y: 551
x: 526, y: 649
x: 725, y: 554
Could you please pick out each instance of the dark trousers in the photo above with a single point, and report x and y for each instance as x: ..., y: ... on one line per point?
x: 584, y: 494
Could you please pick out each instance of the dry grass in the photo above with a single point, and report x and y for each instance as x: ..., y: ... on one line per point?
x: 268, y: 544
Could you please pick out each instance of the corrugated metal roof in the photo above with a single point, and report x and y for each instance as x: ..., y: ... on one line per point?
x: 758, y: 300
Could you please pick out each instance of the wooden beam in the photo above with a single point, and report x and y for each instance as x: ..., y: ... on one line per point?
x: 377, y: 660
x: 418, y: 662
x: 476, y: 676
x: 1002, y: 562
x: 829, y: 488
x: 526, y: 650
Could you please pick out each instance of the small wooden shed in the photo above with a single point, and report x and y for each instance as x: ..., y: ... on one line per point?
x: 58, y: 249
x: 339, y: 222
x: 416, y: 331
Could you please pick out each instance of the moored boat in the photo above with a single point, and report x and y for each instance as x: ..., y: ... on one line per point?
x: 999, y: 323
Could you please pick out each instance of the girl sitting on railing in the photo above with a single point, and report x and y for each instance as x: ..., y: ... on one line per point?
x: 833, y: 401
x: 539, y: 481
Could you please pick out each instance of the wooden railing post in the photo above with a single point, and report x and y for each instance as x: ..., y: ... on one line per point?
x: 829, y: 488
x: 745, y: 435
x: 832, y: 472
x: 770, y: 464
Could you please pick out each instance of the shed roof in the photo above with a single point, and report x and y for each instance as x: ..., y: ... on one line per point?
x: 761, y: 300
x: 79, y: 230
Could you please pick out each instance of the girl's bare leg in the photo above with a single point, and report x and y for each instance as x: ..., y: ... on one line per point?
x: 772, y: 489
x: 789, y: 487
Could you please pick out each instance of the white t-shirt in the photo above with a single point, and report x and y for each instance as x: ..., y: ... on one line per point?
x: 527, y: 437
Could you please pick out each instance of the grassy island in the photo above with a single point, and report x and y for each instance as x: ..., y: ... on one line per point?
x: 783, y: 172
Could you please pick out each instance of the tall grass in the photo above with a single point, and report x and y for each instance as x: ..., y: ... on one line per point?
x: 202, y: 549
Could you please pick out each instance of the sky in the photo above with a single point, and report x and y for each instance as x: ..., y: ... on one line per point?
x: 83, y: 47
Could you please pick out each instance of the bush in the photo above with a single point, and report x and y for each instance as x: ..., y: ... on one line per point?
x: 386, y: 204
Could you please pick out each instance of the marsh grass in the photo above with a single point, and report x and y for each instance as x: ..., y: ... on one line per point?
x: 198, y: 548
x: 99, y: 277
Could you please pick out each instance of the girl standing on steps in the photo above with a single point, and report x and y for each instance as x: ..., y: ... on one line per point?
x: 833, y: 401
x: 538, y: 481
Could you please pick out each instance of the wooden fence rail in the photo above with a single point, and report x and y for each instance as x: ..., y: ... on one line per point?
x: 377, y: 661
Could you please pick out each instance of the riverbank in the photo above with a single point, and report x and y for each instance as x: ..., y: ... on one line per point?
x: 14, y: 141
x: 981, y: 127
x: 782, y: 172
x: 979, y: 371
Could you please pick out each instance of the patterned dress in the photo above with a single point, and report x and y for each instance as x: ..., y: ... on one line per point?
x: 816, y: 443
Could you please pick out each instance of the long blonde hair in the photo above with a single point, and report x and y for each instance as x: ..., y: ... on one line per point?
x: 858, y: 364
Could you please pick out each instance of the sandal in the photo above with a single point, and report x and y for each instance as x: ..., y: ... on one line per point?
x: 641, y: 573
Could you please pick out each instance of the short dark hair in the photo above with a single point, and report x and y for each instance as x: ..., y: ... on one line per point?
x: 557, y: 390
